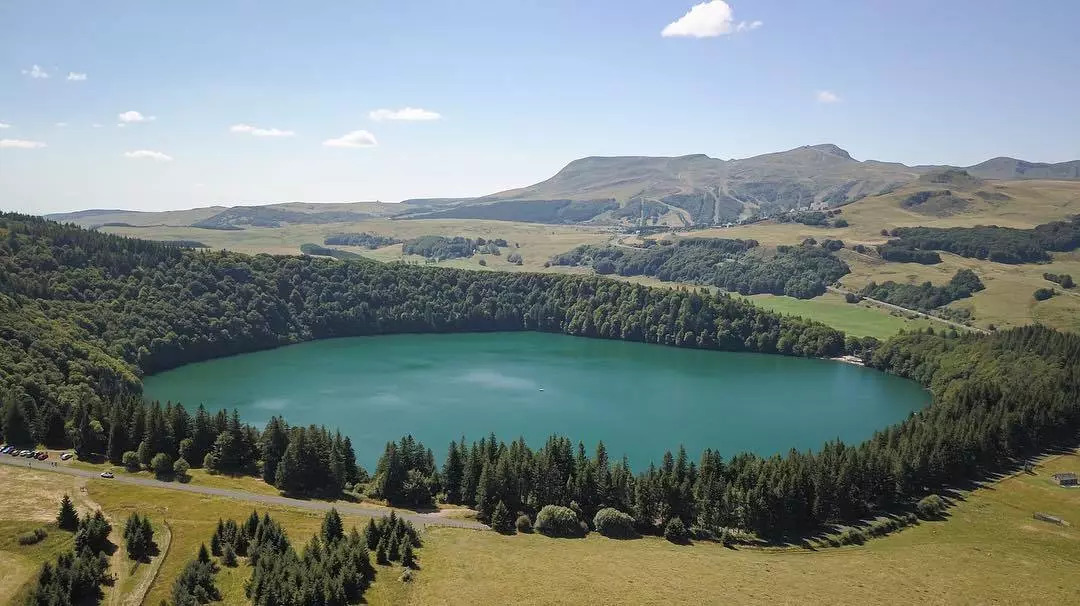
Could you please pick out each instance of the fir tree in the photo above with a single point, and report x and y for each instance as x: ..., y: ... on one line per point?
x: 332, y: 528
x: 501, y: 520
x: 371, y: 534
x: 67, y: 518
x: 204, y: 556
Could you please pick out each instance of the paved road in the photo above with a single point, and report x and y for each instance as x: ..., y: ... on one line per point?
x: 911, y: 311
x: 420, y: 519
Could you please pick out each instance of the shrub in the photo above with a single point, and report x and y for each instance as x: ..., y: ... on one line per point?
x: 523, y: 524
x: 130, y: 460
x: 29, y: 538
x: 852, y: 536
x: 675, y: 531
x: 930, y: 507
x: 180, y: 468
x: 483, y: 263
x: 1043, y: 294
x: 615, y: 524
x: 557, y: 521
x: 161, y: 464
x: 840, y: 223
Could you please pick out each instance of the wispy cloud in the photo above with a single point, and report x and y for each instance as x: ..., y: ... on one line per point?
x: 356, y: 138
x: 132, y: 116
x: 76, y: 77
x: 707, y: 20
x: 3, y: 125
x: 20, y: 144
x: 827, y: 96
x: 405, y: 113
x: 260, y: 132
x: 61, y: 124
x: 36, y: 72
x: 96, y: 125
x: 148, y: 155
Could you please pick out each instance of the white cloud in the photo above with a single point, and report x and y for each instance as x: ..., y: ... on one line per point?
x: 405, y: 113
x: 35, y: 72
x: 149, y: 155
x: 61, y: 124
x: 2, y: 125
x: 96, y: 125
x: 827, y: 96
x: 20, y: 144
x: 260, y: 132
x: 707, y: 20
x: 356, y: 138
x: 76, y: 76
x: 131, y: 116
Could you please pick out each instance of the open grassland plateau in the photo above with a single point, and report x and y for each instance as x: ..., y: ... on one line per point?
x: 987, y: 549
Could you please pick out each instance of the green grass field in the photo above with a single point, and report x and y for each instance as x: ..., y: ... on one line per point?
x: 989, y: 549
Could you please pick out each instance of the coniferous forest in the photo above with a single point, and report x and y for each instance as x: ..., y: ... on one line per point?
x: 84, y: 315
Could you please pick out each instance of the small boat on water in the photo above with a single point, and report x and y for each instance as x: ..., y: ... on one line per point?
x: 541, y: 389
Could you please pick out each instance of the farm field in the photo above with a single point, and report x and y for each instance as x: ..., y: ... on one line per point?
x: 989, y: 549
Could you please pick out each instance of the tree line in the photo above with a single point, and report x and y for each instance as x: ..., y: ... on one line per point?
x: 998, y: 244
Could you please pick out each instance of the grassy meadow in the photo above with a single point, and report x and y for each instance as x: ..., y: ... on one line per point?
x: 988, y: 549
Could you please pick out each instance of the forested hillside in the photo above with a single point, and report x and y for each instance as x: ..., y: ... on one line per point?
x: 83, y: 315
x: 733, y: 265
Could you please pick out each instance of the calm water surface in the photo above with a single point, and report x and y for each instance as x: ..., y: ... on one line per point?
x: 639, y: 399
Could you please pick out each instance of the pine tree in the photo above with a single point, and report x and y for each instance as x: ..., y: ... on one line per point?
x: 228, y: 555
x: 332, y: 527
x: 67, y: 518
x: 381, y: 555
x: 453, y: 472
x: 501, y: 520
x: 274, y: 441
x: 117, y: 441
x: 289, y: 475
x: 16, y: 424
x: 371, y: 534
x: 215, y: 544
x: 408, y: 558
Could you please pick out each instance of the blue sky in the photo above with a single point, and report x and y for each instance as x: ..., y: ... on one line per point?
x: 512, y: 91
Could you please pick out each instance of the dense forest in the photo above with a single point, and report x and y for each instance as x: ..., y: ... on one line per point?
x: 83, y: 315
x: 364, y: 239
x: 440, y: 248
x: 925, y: 296
x: 734, y: 265
x: 999, y: 244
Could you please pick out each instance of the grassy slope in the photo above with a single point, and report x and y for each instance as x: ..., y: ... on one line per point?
x: 989, y: 550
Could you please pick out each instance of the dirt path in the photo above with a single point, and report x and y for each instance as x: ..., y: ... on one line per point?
x: 136, y: 596
x: 420, y: 519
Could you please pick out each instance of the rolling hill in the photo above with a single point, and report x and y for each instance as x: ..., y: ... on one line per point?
x: 623, y: 190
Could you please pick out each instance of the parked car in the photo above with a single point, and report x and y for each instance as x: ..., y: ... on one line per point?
x: 66, y: 456
x: 28, y: 454
x: 7, y: 449
x: 107, y: 474
x: 41, y: 456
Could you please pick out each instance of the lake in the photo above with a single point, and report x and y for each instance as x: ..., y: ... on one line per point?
x: 639, y: 399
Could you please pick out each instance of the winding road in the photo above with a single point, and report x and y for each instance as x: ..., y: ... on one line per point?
x: 419, y: 519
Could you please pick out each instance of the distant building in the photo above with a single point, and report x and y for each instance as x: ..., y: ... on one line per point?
x: 1067, y: 478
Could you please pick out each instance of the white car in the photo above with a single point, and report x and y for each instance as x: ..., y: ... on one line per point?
x: 107, y: 474
x: 66, y: 456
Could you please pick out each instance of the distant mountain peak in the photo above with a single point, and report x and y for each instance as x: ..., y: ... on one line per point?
x: 831, y: 149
